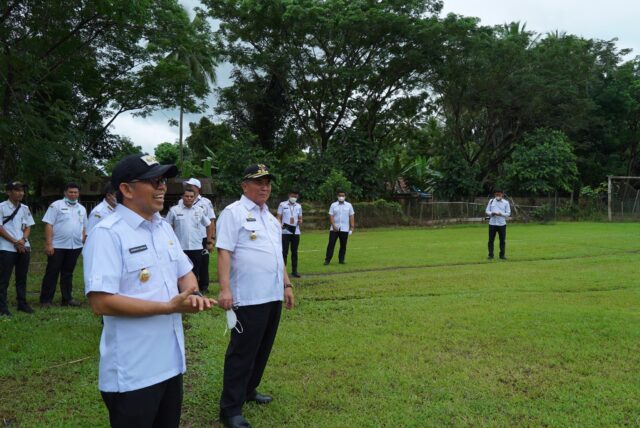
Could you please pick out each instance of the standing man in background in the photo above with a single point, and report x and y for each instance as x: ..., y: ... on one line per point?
x: 253, y: 282
x: 290, y: 217
x: 341, y: 217
x: 64, y: 233
x: 15, y: 250
x: 207, y: 234
x: 187, y: 220
x: 498, y: 211
x: 104, y: 208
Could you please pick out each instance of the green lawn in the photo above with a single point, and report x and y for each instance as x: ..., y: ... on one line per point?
x: 417, y: 329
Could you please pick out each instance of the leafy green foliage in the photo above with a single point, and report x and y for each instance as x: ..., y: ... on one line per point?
x: 543, y: 163
x: 334, y: 183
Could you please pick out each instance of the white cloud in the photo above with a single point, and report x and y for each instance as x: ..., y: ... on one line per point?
x: 146, y: 132
x: 586, y: 18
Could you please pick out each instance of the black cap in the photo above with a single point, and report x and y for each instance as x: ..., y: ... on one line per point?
x: 16, y: 185
x: 140, y: 167
x: 257, y: 171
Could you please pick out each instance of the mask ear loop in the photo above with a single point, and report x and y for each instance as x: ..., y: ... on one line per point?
x: 235, y: 327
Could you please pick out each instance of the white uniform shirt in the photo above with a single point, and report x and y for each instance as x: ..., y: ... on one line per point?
x: 68, y: 222
x: 257, y: 265
x: 14, y: 228
x: 136, y: 352
x: 341, y: 213
x: 187, y: 222
x: 502, y: 207
x: 207, y: 206
x: 291, y: 214
x: 101, y: 211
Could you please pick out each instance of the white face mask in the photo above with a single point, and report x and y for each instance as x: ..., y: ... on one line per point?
x: 293, y: 200
x: 232, y: 322
x: 341, y: 198
x: 498, y: 198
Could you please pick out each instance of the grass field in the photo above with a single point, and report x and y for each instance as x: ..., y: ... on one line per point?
x: 418, y: 329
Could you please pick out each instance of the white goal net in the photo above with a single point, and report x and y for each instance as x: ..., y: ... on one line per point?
x: 623, y: 198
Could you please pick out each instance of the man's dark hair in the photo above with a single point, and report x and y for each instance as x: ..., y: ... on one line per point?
x: 341, y: 191
x: 71, y: 185
x: 294, y: 192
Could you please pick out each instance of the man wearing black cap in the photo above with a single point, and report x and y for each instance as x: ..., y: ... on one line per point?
x: 137, y: 277
x: 15, y: 250
x: 498, y: 211
x: 253, y: 283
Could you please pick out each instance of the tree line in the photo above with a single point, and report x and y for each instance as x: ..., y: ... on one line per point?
x: 370, y: 96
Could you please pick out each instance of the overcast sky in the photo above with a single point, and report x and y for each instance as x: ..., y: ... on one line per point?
x: 587, y: 18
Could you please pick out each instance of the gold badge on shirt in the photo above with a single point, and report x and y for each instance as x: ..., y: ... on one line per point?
x: 253, y: 235
x: 144, y: 275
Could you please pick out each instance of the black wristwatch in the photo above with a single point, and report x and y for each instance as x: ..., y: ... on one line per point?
x: 288, y: 286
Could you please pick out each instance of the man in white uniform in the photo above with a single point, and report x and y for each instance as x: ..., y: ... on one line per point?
x: 254, y: 282
x: 138, y: 278
x: 104, y: 208
x: 207, y: 234
x: 15, y: 250
x: 498, y: 211
x: 290, y: 217
x: 64, y: 232
x: 187, y: 219
x: 341, y: 218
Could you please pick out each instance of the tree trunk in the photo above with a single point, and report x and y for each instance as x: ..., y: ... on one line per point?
x: 180, y: 137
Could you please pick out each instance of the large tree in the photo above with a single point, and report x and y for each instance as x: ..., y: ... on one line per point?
x: 69, y: 69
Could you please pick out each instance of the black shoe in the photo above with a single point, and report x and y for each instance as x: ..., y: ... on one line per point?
x: 260, y: 398
x: 341, y: 263
x: 237, y: 421
x: 5, y: 313
x: 326, y: 262
x: 70, y: 303
x: 490, y: 258
x: 295, y: 275
x: 25, y: 308
x: 503, y: 257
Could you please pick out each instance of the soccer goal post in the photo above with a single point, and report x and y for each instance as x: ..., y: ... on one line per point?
x: 623, y: 197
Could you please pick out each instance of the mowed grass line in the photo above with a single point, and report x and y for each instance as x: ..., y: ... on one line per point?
x: 550, y: 337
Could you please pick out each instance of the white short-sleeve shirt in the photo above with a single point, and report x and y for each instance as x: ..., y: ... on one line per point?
x: 257, y: 265
x: 101, y: 211
x: 502, y: 207
x: 187, y: 223
x: 136, y: 352
x: 341, y: 211
x: 291, y: 214
x: 207, y: 206
x: 15, y: 227
x: 68, y: 222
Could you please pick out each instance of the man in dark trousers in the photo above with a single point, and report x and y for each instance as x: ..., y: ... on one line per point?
x: 498, y: 211
x: 64, y: 232
x: 341, y: 217
x: 290, y: 217
x: 253, y: 283
x: 15, y: 250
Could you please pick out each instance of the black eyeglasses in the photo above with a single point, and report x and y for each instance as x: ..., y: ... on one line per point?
x: 155, y: 182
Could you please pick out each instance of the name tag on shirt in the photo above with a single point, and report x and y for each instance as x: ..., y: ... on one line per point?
x: 137, y: 249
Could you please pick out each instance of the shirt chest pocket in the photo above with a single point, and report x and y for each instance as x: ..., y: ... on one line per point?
x: 252, y: 230
x: 140, y: 271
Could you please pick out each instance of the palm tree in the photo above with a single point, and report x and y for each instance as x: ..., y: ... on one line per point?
x: 201, y: 62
